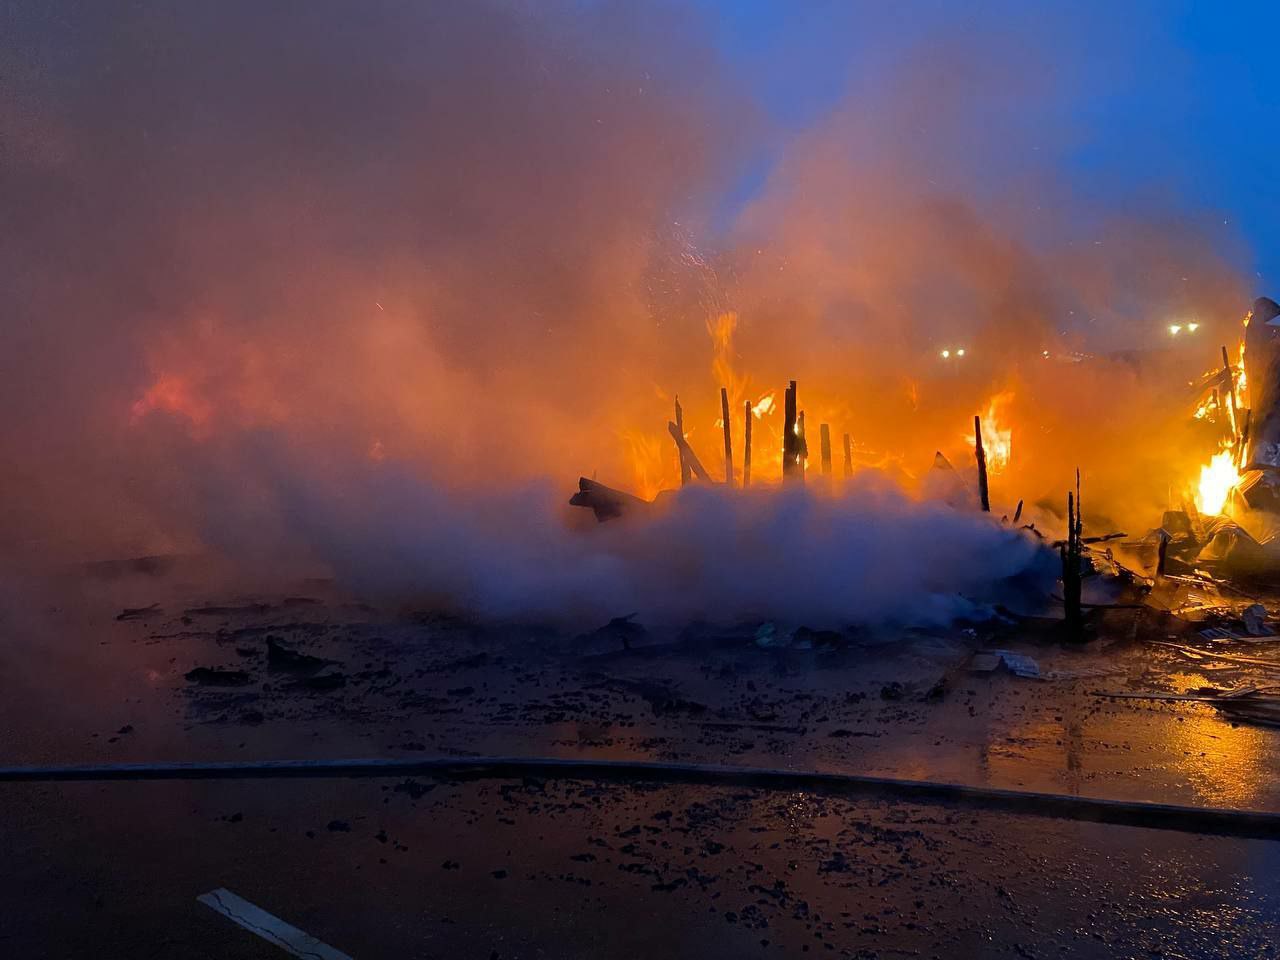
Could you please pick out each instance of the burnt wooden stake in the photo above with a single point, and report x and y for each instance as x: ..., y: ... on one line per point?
x: 848, y: 457
x: 728, y: 442
x: 983, y: 494
x: 790, y: 445
x: 746, y: 445
x: 1017, y: 514
x: 802, y: 446
x: 1070, y: 551
x: 684, y: 464
x: 686, y: 451
x: 824, y: 434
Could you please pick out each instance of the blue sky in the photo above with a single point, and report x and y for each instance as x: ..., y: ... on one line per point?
x: 1160, y: 105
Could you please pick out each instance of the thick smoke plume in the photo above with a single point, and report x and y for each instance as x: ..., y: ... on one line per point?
x: 366, y: 288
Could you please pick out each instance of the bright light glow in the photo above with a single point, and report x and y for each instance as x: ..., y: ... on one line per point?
x: 1192, y: 327
x: 946, y: 354
x: 1217, y: 479
x: 1175, y: 329
x: 960, y: 352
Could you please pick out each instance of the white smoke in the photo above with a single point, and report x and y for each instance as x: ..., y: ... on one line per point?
x: 865, y: 555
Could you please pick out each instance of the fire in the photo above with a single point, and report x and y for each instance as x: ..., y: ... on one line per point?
x: 1207, y: 409
x: 1217, y: 479
x: 651, y: 463
x: 1225, y: 404
x: 997, y: 434
x: 721, y: 328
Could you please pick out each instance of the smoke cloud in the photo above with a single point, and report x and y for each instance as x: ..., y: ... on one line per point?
x: 368, y: 287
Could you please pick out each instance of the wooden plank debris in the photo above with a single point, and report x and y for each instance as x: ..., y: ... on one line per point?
x: 746, y: 445
x: 686, y: 451
x: 684, y: 464
x: 270, y: 928
x: 1214, y: 655
x: 606, y: 502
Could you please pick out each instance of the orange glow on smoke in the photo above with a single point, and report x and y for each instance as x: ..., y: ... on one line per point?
x: 174, y: 395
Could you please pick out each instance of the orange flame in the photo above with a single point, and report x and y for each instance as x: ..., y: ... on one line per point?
x: 997, y: 434
x: 1217, y: 479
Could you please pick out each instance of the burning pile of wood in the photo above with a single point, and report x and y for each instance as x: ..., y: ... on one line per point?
x: 609, y: 503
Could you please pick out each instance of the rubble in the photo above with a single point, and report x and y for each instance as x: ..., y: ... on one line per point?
x: 1020, y: 665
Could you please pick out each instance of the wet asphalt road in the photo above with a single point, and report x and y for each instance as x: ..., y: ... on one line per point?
x: 578, y: 870
x: 565, y: 869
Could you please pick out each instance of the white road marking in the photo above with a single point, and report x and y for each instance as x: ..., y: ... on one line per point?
x: 269, y: 928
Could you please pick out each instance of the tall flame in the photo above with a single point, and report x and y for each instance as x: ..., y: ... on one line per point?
x: 1217, y: 479
x: 997, y: 434
x: 1222, y: 473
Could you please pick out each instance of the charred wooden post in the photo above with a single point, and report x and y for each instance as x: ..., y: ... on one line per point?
x: 802, y: 446
x: 984, y: 495
x: 1242, y: 442
x: 687, y: 453
x: 684, y: 464
x: 824, y: 438
x: 1229, y: 375
x: 848, y: 457
x: 1070, y: 552
x: 790, y: 435
x: 728, y: 441
x: 746, y: 445
x: 1017, y: 514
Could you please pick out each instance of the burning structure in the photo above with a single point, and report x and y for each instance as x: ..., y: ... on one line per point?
x: 1204, y: 531
x: 383, y: 346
